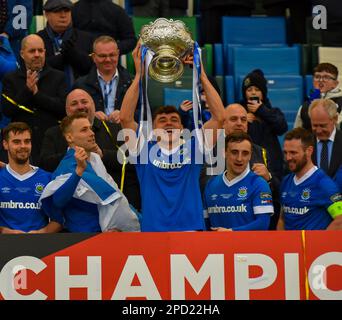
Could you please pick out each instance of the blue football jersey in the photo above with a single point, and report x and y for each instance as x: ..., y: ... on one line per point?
x: 305, y: 203
x: 237, y: 203
x: 19, y: 206
x: 170, y: 190
x: 338, y: 178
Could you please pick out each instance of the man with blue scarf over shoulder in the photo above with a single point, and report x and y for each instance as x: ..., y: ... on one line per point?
x: 81, y: 192
x: 67, y: 49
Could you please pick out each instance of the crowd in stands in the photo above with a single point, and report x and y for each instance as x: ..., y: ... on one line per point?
x: 75, y: 156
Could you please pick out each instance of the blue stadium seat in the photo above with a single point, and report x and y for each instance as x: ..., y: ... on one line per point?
x: 278, y: 60
x: 218, y: 59
x: 228, y: 53
x: 174, y: 96
x: 253, y: 30
x: 284, y: 92
x: 229, y: 86
x: 308, y: 84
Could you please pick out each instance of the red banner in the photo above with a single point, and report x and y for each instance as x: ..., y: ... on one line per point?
x: 190, y: 265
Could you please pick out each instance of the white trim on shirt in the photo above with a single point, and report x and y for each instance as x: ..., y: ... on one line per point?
x: 306, y: 176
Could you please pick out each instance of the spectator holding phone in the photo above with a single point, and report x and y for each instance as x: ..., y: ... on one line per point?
x: 265, y: 123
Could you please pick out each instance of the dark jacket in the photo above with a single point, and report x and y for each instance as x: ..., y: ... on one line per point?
x: 264, y: 132
x: 77, y: 55
x: 54, y: 148
x: 103, y: 17
x: 336, y: 155
x: 90, y: 83
x: 47, y: 104
x: 180, y: 4
x: 208, y: 4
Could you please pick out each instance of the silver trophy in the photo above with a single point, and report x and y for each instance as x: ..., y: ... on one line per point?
x: 170, y: 41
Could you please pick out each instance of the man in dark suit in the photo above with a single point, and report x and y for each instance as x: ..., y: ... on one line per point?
x: 35, y: 93
x: 55, y: 146
x: 328, y: 148
x: 67, y: 49
x: 107, y: 82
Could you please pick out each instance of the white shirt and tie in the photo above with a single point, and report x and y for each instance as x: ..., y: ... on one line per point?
x: 108, y: 89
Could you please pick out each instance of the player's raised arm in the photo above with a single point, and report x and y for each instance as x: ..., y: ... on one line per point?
x: 215, y: 106
x: 131, y: 97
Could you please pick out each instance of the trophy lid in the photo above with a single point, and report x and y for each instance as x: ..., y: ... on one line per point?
x: 172, y: 33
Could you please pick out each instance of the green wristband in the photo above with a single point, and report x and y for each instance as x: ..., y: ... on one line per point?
x: 335, y: 209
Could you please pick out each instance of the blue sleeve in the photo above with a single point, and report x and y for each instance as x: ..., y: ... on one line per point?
x: 64, y: 194
x: 329, y: 191
x: 261, y: 222
x: 8, y: 61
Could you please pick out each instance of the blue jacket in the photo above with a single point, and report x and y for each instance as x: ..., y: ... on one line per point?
x: 7, y: 63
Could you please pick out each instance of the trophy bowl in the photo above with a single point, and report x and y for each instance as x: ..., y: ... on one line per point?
x: 170, y: 41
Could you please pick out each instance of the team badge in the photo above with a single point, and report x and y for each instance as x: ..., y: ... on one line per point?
x: 242, y: 192
x: 39, y: 187
x: 306, y: 194
x: 247, y: 82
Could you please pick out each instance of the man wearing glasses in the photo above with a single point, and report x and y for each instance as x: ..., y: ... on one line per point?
x: 326, y: 86
x: 107, y: 82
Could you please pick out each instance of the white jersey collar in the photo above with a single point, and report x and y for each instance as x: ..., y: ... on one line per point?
x: 24, y: 176
x: 236, y: 179
x: 305, y: 177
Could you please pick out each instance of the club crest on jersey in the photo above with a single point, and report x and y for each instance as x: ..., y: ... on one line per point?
x: 39, y: 187
x: 306, y: 194
x: 242, y: 192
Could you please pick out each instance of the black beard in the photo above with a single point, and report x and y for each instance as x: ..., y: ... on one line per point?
x: 21, y: 161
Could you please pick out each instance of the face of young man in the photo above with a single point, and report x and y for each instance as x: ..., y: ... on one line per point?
x: 235, y: 119
x: 106, y: 57
x: 324, y: 81
x: 80, y: 134
x: 168, y: 126
x: 18, y: 147
x: 321, y: 123
x: 33, y: 53
x: 79, y: 101
x: 238, y: 155
x: 59, y: 20
x: 295, y: 155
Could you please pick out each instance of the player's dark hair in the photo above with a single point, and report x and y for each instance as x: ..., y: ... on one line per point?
x: 165, y: 110
x: 237, y: 137
x: 15, y: 127
x: 302, y: 134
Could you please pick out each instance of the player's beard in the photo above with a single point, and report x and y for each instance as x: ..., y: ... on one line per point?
x: 20, y: 160
x: 300, y: 164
